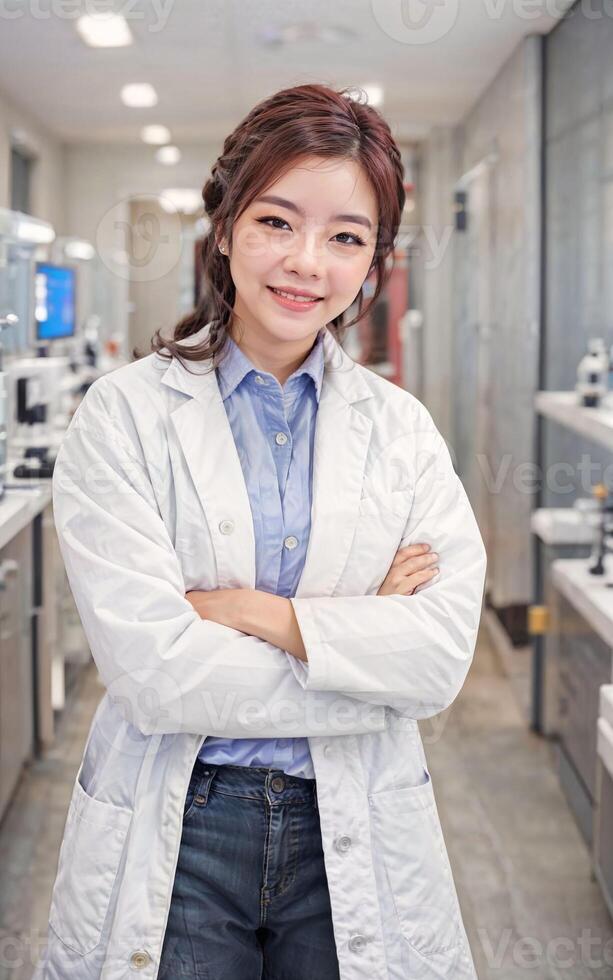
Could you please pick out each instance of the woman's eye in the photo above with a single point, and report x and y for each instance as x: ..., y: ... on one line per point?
x: 266, y: 220
x: 356, y: 238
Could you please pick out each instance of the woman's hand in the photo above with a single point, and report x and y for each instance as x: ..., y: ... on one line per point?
x: 411, y: 567
x: 223, y: 606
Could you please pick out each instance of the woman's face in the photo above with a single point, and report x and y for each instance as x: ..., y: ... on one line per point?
x: 313, y: 231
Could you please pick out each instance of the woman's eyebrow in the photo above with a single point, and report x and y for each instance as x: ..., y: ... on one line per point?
x: 358, y: 219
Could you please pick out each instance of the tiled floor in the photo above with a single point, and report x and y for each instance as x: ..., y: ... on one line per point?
x: 523, y: 874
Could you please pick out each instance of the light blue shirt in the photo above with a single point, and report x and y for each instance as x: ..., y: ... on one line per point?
x: 273, y: 428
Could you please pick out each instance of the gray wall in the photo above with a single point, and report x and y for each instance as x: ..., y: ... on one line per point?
x: 47, y: 200
x: 482, y: 306
x: 579, y: 226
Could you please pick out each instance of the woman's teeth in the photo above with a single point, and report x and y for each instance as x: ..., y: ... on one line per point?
x: 298, y: 299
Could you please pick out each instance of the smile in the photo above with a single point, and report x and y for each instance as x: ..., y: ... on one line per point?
x: 295, y: 298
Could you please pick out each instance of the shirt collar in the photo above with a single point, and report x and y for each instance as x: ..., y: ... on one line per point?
x: 235, y: 366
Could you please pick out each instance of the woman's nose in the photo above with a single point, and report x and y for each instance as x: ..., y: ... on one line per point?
x: 306, y: 259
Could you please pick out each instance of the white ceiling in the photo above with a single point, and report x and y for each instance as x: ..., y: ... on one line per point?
x: 209, y: 67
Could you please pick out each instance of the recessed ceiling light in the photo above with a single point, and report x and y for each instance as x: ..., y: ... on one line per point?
x: 156, y: 135
x: 185, y: 199
x: 104, y: 30
x: 139, y: 95
x: 374, y: 93
x: 79, y: 249
x: 168, y: 155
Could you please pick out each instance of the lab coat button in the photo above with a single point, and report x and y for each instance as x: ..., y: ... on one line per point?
x: 328, y: 750
x: 226, y: 527
x: 290, y: 541
x: 357, y: 943
x: 343, y: 843
x: 140, y: 959
x: 280, y: 438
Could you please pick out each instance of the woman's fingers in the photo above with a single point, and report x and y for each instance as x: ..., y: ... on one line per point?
x: 409, y: 584
x: 411, y: 550
x: 414, y: 564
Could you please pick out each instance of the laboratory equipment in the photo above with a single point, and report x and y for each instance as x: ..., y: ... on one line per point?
x: 23, y: 239
x: 8, y: 321
x: 593, y: 373
x: 55, y: 309
x: 38, y: 388
x: 604, y: 530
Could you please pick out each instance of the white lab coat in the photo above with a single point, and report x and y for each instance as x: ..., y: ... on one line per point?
x: 150, y: 502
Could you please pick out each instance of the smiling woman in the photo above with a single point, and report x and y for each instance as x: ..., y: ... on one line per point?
x: 249, y: 565
x: 304, y: 203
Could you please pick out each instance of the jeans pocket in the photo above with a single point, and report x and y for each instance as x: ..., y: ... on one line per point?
x: 92, y: 846
x: 198, y: 791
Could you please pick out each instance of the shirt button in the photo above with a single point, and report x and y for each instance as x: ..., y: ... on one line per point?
x: 290, y: 542
x: 357, y: 943
x: 343, y: 843
x: 278, y: 784
x: 140, y: 959
x: 280, y: 438
x: 226, y: 527
x: 260, y: 380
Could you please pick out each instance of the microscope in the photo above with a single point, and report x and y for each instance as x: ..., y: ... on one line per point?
x: 36, y: 393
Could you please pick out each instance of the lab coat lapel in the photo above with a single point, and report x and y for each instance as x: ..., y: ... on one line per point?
x: 342, y: 436
x: 205, y: 434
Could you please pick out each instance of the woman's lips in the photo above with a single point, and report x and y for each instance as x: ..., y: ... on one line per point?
x: 293, y: 304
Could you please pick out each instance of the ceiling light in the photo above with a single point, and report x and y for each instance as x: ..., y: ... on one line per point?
x: 139, y: 95
x: 79, y: 249
x: 168, y: 155
x: 34, y: 231
x: 156, y: 135
x: 185, y: 199
x: 104, y: 30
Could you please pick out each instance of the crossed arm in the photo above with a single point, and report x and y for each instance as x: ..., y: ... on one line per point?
x: 263, y: 614
x: 274, y: 666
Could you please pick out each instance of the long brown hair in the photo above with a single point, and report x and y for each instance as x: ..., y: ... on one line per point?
x: 295, y: 122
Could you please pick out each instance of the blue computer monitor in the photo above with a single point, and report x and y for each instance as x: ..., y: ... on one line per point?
x: 54, y: 301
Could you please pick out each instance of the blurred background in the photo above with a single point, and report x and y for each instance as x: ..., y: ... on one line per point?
x: 498, y: 315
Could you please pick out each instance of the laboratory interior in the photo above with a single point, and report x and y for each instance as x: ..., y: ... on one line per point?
x: 497, y: 315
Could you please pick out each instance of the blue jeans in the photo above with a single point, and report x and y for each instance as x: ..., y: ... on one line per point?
x: 250, y: 898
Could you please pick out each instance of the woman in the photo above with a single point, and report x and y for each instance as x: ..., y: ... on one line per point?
x: 250, y: 539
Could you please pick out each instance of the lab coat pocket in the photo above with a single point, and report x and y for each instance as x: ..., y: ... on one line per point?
x: 90, y: 854
x: 417, y: 868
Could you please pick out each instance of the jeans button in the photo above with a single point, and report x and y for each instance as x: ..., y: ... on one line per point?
x: 278, y: 784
